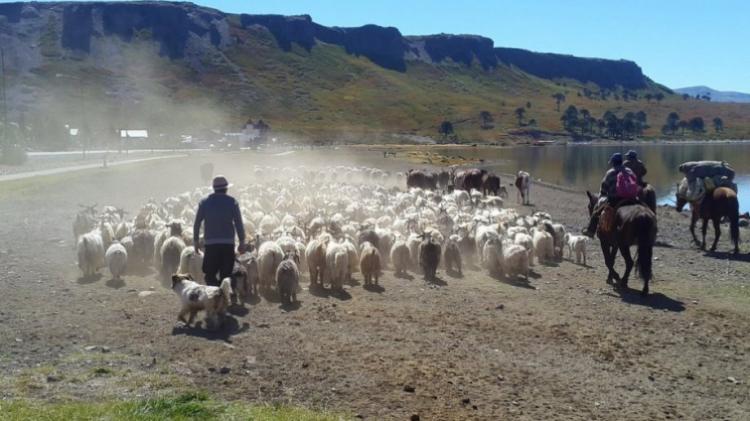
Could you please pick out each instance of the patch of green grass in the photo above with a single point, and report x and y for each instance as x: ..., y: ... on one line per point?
x: 189, y: 406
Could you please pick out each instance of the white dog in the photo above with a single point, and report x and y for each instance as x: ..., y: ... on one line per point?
x: 196, y: 297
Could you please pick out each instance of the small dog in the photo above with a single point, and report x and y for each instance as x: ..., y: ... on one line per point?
x: 196, y: 297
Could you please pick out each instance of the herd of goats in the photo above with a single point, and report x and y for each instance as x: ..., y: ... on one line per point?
x: 335, y: 222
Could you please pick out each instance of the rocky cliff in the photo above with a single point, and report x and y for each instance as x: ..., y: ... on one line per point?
x: 605, y: 73
x: 173, y: 26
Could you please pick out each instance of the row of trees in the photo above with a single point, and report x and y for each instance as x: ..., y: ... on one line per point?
x: 604, y: 94
x: 486, y: 119
x: 581, y: 122
x: 696, y: 125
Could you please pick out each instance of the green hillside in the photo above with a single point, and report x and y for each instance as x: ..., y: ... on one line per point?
x: 325, y: 94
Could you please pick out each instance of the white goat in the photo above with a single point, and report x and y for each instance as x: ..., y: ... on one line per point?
x: 117, y: 259
x: 577, y: 244
x: 191, y: 262
x: 90, y: 248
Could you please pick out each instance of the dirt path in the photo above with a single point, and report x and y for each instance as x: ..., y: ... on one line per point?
x: 562, y: 346
x: 71, y: 168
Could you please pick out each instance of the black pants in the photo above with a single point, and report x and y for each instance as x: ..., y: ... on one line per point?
x: 218, y: 258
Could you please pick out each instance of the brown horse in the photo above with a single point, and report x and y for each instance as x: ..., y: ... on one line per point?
x: 647, y: 196
x: 722, y: 202
x: 633, y: 225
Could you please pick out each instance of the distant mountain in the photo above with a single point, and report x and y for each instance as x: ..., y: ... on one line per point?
x: 716, y: 96
x: 179, y: 68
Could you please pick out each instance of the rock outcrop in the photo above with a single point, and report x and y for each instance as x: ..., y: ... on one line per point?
x: 605, y: 73
x: 462, y: 49
x: 187, y: 31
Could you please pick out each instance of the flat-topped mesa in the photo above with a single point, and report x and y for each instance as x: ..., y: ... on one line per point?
x: 383, y: 46
x: 186, y: 30
x: 605, y: 73
x: 286, y: 30
x: 462, y: 49
x: 169, y: 24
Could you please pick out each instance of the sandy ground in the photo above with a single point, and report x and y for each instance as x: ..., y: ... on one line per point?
x: 562, y: 346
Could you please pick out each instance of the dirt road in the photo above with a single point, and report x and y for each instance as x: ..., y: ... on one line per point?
x: 562, y: 346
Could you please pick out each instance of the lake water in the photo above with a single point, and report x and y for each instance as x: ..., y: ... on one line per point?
x: 582, y: 166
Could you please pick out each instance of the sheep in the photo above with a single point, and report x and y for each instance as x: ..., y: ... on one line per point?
x: 452, y: 255
x: 121, y: 230
x: 492, y: 256
x: 253, y: 277
x: 143, y: 247
x: 385, y: 243
x: 287, y: 278
x: 400, y: 257
x: 483, y: 234
x: 527, y: 242
x: 315, y: 254
x: 515, y: 260
x: 159, y: 240
x: 557, y: 231
x: 353, y: 258
x: 413, y: 242
x: 370, y: 236
x: 511, y: 232
x: 107, y: 233
x: 523, y: 184
x: 429, y: 256
x: 576, y: 243
x: 90, y: 248
x: 337, y: 265
x: 301, y: 213
x: 467, y: 247
x: 269, y: 258
x: 544, y: 245
x: 170, y: 254
x: 369, y: 263
x: 127, y: 242
x: 239, y: 282
x: 191, y: 262
x: 85, y: 221
x: 117, y: 259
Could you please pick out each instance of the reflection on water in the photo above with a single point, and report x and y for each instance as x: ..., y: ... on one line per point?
x: 583, y: 166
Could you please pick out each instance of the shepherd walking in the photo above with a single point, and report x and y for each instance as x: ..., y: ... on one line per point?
x: 223, y: 220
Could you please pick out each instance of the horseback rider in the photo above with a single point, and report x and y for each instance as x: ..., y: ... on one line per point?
x: 611, y: 192
x: 636, y: 165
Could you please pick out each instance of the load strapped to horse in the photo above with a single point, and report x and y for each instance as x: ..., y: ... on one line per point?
x: 702, y: 177
x: 710, y: 189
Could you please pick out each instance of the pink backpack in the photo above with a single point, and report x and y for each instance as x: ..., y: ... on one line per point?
x: 627, y: 184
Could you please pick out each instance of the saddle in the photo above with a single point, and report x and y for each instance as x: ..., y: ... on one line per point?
x: 606, y: 224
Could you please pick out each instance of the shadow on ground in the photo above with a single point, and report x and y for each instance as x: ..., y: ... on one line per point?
x: 229, y: 328
x: 656, y: 301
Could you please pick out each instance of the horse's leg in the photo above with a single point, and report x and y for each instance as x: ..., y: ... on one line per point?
x: 717, y: 231
x: 609, y: 261
x: 612, y: 260
x: 625, y: 251
x: 704, y: 228
x: 605, y: 253
x: 693, y: 221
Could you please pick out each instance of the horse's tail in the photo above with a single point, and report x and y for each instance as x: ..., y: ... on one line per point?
x: 734, y: 222
x: 645, y: 227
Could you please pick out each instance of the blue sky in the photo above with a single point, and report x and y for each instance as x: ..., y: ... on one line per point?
x: 676, y: 42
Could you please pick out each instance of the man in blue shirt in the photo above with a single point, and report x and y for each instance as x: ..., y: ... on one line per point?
x: 223, y: 219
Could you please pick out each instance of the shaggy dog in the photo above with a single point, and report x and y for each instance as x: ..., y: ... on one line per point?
x: 196, y: 297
